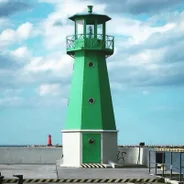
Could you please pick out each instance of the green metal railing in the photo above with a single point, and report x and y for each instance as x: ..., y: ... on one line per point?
x: 90, y: 41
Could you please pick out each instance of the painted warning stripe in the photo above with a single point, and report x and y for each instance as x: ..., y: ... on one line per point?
x: 93, y: 165
x: 124, y: 180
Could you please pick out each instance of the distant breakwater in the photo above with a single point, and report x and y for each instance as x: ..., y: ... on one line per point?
x: 125, y: 146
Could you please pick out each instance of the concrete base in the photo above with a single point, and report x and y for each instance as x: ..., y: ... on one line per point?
x: 109, y: 147
x: 73, y: 148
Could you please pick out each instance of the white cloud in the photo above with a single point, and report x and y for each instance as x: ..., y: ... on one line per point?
x: 24, y: 30
x: 50, y: 89
x: 135, y: 28
x: 4, y: 1
x: 9, y: 36
x: 154, y: 59
x: 11, y: 101
x: 21, y: 52
x: 117, y: 86
x: 49, y: 1
x: 4, y: 22
x: 45, y: 101
x: 59, y: 65
x: 10, y: 92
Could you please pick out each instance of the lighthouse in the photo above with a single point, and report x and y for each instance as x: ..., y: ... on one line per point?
x: 90, y: 134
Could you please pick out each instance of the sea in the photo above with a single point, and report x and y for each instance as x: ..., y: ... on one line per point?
x: 175, y: 160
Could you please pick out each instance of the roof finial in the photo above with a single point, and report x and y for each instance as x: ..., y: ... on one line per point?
x: 90, y: 8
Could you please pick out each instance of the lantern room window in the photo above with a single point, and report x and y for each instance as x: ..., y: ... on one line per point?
x: 100, y: 31
x: 79, y: 27
x: 90, y: 29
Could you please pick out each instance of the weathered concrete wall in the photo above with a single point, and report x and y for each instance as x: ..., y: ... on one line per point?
x: 21, y: 155
x: 36, y: 155
x: 129, y: 155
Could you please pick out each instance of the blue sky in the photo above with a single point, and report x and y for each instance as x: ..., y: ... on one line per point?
x: 146, y: 70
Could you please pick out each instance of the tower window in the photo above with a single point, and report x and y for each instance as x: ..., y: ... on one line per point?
x: 90, y: 64
x: 91, y: 101
x: 80, y: 27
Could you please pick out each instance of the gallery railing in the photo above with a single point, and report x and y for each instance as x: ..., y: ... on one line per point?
x: 89, y: 41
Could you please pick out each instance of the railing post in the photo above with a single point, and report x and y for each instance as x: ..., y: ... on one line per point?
x: 149, y: 162
x: 180, y: 167
x: 20, y: 177
x: 1, y: 178
x: 66, y: 42
x: 155, y: 163
x: 171, y: 162
x: 163, y: 163
x: 113, y: 40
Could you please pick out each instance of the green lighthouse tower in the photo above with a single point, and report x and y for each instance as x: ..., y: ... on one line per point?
x: 90, y: 134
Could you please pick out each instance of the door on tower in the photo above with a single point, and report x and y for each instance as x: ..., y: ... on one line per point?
x: 91, y: 148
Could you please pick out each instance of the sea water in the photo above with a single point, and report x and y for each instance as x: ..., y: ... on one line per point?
x: 175, y: 161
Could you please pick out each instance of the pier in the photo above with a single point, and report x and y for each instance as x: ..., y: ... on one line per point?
x: 40, y: 164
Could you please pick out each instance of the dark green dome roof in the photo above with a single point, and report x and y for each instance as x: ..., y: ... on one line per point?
x: 90, y: 15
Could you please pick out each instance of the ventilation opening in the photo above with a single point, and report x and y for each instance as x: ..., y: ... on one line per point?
x: 91, y: 141
x: 91, y: 101
x: 91, y: 64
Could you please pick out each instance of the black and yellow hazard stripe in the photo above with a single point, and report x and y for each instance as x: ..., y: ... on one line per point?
x: 124, y: 180
x: 93, y: 165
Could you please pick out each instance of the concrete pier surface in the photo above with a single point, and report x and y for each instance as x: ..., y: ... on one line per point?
x: 49, y: 171
x: 29, y: 171
x: 104, y: 173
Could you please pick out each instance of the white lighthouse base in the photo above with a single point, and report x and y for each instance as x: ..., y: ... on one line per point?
x: 72, y: 146
x: 71, y: 149
x: 109, y: 147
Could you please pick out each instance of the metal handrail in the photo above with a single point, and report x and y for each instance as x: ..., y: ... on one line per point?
x: 170, y: 166
x: 98, y: 40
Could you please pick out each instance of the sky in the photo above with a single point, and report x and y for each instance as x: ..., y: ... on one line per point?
x: 146, y: 71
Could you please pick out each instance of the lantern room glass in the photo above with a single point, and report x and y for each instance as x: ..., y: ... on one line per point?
x: 79, y: 27
x: 90, y: 29
x: 100, y: 31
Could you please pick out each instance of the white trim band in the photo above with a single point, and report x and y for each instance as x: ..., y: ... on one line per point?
x: 68, y: 131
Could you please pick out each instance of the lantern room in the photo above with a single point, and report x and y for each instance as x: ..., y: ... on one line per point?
x: 90, y: 33
x: 90, y: 25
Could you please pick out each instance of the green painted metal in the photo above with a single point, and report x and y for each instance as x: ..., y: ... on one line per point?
x: 91, y: 151
x: 74, y: 112
x: 90, y: 82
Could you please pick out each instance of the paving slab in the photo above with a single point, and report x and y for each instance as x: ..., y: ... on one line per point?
x: 49, y: 171
x: 103, y: 173
x: 29, y: 171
